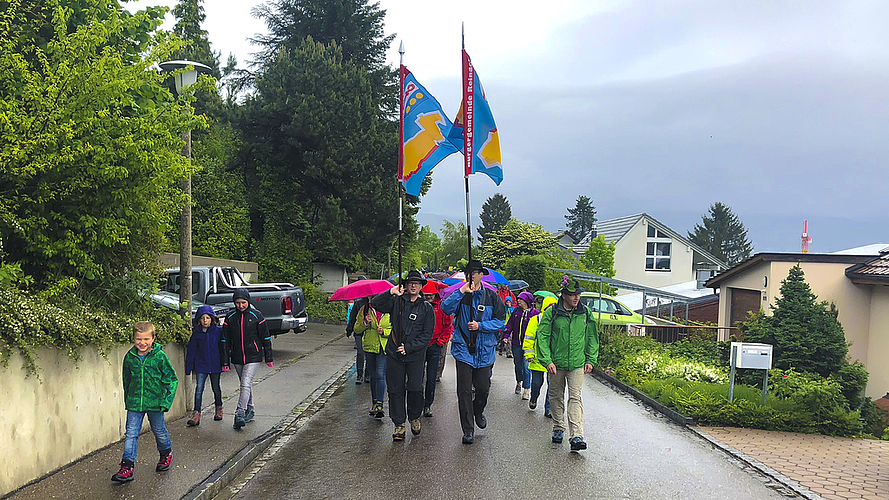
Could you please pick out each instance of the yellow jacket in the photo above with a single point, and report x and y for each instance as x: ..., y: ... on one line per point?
x: 529, y: 346
x: 373, y: 341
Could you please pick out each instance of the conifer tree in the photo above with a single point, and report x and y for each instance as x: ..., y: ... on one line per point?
x: 723, y: 235
x: 582, y: 218
x: 805, y: 333
x: 496, y: 212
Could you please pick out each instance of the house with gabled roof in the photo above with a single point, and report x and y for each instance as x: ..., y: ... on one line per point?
x: 649, y: 253
x: 855, y: 280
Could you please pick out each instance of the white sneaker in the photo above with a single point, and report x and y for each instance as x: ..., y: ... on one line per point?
x: 526, y: 394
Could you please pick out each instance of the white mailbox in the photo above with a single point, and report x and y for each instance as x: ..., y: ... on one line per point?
x: 749, y: 355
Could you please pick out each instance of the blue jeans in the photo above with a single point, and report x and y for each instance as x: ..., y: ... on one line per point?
x: 376, y: 366
x: 134, y: 427
x: 360, y: 358
x: 200, y: 383
x: 536, y: 383
x: 522, y: 373
x: 433, y: 354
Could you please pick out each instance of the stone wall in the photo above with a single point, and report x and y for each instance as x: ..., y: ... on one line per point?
x: 72, y: 410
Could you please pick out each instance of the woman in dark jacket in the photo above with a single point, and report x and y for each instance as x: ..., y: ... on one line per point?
x: 514, y: 333
x: 204, y: 356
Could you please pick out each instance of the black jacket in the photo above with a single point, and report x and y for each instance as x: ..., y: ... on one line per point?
x: 246, y: 338
x: 415, y: 329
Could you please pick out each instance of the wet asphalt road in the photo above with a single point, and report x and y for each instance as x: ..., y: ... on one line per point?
x: 633, y: 454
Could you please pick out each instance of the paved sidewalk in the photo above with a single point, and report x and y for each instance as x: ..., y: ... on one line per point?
x: 303, y: 364
x: 832, y: 467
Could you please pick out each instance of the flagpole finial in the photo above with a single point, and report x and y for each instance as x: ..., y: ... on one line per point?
x: 401, y: 48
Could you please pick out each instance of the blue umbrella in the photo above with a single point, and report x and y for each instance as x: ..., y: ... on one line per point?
x: 517, y: 285
x: 492, y: 277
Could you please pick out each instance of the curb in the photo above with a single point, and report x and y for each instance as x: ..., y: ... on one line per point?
x: 689, y: 423
x: 270, y: 442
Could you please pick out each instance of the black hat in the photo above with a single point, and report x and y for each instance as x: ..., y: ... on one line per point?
x: 414, y: 275
x: 474, y: 265
x: 571, y: 285
x: 241, y: 293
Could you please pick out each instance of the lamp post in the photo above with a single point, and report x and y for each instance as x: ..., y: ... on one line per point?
x: 182, y: 80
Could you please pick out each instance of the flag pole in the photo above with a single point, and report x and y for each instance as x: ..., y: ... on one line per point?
x: 467, y: 141
x: 397, y: 330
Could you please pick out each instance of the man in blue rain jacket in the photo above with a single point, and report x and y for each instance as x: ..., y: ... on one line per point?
x: 479, y: 314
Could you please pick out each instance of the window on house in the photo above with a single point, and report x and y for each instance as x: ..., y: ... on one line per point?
x: 657, y: 256
x: 656, y: 233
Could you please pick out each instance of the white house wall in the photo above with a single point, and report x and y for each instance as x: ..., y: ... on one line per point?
x: 629, y: 261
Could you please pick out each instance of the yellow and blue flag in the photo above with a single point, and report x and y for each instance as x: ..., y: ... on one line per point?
x: 424, y: 133
x: 474, y: 131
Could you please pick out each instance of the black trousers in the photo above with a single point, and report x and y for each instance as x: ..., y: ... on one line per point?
x: 467, y: 377
x: 401, y: 377
x: 433, y: 353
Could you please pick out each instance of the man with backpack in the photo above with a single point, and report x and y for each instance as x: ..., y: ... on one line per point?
x: 568, y: 346
x: 479, y: 314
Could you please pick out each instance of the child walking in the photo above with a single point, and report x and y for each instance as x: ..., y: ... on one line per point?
x: 247, y: 341
x: 149, y: 384
x: 204, y: 356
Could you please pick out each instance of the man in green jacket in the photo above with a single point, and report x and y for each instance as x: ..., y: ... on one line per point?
x: 568, y: 346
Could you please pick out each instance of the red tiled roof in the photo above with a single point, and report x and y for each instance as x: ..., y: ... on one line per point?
x: 878, y: 267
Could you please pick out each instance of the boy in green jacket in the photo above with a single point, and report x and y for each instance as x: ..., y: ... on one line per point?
x: 568, y: 346
x: 149, y: 384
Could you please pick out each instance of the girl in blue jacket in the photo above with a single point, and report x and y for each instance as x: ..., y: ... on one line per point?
x: 204, y: 357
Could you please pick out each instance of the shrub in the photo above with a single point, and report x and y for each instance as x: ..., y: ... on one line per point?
x: 67, y: 321
x: 317, y: 305
x: 704, y: 349
x: 852, y: 378
x: 618, y: 344
x: 652, y: 365
x: 531, y: 268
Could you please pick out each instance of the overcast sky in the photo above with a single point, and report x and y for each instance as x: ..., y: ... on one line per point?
x: 778, y: 109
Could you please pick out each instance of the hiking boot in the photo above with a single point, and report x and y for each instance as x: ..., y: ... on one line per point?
x: 239, y: 422
x: 415, y: 427
x: 481, y: 421
x: 165, y: 460
x: 377, y: 410
x: 358, y: 378
x: 248, y: 417
x: 126, y: 472
x: 547, y: 414
x: 577, y: 444
x: 468, y: 437
x: 218, y: 415
x: 532, y: 405
x: 398, y: 435
x: 195, y: 419
x: 427, y: 412
x: 557, y: 436
x: 518, y: 388
x: 526, y: 394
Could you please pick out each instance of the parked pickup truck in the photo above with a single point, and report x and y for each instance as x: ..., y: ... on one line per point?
x: 282, y: 304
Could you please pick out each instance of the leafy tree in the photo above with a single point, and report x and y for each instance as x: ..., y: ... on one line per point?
x: 723, y: 235
x: 91, y: 140
x: 516, y: 238
x: 805, y: 333
x: 495, y: 214
x: 453, y: 244
x: 531, y: 268
x: 599, y: 259
x: 429, y: 248
x: 582, y: 218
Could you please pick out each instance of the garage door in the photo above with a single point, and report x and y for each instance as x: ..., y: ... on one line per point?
x: 743, y: 302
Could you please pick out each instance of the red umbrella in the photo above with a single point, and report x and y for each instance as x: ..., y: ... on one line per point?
x: 361, y: 288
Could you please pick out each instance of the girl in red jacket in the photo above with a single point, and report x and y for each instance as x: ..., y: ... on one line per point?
x: 443, y: 330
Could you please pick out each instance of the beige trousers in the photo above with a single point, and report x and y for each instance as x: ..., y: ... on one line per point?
x: 573, y: 380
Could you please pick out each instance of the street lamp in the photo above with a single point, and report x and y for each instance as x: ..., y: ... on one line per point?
x: 182, y: 80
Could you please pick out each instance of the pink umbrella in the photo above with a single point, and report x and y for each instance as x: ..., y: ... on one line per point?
x: 361, y: 288
x: 456, y: 286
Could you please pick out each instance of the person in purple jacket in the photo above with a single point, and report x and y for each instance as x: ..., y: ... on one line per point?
x: 204, y: 356
x: 514, y: 334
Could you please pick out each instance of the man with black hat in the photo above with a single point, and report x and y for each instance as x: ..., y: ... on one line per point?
x: 406, y: 349
x: 479, y: 314
x: 568, y: 346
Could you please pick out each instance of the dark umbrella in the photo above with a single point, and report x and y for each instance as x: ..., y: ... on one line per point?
x: 517, y: 285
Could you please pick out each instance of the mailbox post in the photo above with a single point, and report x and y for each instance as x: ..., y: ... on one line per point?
x: 749, y: 355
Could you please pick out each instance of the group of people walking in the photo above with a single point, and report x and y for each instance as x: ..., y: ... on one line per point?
x: 561, y: 341
x: 241, y: 340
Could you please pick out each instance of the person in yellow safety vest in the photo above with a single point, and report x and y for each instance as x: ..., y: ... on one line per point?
x: 538, y: 371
